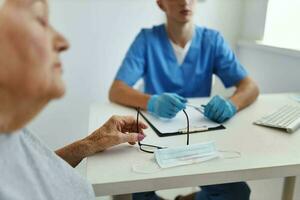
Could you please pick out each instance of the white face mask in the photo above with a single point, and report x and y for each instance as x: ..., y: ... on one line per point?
x: 296, y: 97
x: 185, y: 155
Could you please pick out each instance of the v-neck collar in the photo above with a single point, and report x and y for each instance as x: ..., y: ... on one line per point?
x: 171, y: 50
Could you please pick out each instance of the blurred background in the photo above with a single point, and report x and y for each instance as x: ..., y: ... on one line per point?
x: 264, y: 34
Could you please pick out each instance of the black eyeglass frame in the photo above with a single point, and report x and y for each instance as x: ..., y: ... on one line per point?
x: 158, y: 147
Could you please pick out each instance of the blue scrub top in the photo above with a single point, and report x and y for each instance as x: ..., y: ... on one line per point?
x: 151, y: 57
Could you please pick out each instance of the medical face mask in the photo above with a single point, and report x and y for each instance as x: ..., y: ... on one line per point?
x: 296, y: 97
x: 190, y: 154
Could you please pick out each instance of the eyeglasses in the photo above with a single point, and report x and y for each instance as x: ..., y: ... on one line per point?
x: 148, y: 148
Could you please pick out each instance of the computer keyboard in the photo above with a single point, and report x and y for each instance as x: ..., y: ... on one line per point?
x: 287, y: 118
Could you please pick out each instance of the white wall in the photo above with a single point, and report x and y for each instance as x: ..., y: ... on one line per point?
x: 253, y: 25
x: 223, y: 15
x: 274, y: 70
x: 100, y: 33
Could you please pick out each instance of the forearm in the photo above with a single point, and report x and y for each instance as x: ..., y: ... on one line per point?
x: 123, y: 94
x: 75, y: 152
x: 245, y: 94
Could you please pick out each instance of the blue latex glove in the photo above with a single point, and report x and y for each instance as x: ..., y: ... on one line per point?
x: 166, y: 105
x: 220, y: 109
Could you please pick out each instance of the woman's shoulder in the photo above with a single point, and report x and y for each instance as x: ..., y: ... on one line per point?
x: 34, y: 141
x: 35, y: 163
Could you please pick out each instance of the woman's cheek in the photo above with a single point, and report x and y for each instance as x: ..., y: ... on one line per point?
x: 41, y: 58
x: 42, y: 48
x: 51, y: 79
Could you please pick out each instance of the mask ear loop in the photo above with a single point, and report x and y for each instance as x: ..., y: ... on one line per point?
x: 234, y: 154
x: 145, y: 167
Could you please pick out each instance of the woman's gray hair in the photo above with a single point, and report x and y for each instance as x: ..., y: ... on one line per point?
x: 1, y: 3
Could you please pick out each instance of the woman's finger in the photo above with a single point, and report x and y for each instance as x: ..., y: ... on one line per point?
x: 130, y: 125
x: 131, y: 137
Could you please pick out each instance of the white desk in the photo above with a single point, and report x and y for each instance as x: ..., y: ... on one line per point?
x: 266, y: 153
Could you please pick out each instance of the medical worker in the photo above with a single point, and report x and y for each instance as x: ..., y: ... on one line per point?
x: 177, y: 60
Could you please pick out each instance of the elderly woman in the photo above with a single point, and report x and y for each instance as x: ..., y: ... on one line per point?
x: 30, y: 76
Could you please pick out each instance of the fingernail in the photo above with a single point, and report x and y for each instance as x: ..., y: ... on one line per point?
x: 141, y: 137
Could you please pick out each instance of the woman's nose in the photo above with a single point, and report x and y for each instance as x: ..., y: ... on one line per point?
x: 63, y: 44
x: 60, y: 42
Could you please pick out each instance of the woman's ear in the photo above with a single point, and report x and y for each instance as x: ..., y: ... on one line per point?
x: 160, y: 5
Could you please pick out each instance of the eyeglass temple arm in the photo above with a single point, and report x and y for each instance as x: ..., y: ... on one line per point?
x: 188, y: 127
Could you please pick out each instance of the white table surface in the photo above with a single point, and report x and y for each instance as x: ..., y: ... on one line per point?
x: 265, y: 153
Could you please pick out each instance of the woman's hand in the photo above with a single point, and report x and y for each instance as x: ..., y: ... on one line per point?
x: 117, y: 130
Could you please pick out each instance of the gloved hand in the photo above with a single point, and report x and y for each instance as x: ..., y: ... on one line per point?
x: 220, y: 109
x: 166, y: 105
